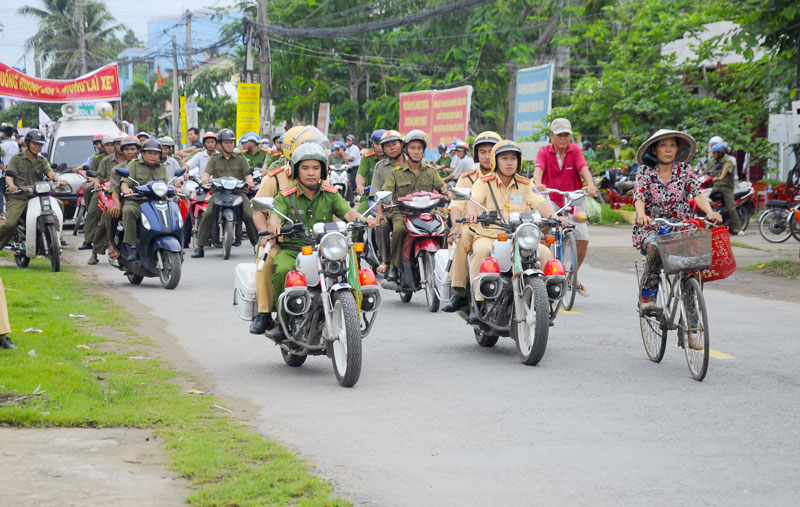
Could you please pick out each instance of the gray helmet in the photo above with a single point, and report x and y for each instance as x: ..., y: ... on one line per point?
x: 107, y: 139
x: 34, y: 136
x: 226, y: 135
x: 416, y: 135
x: 151, y: 145
x: 167, y: 141
x: 119, y: 138
x: 130, y: 141
x: 309, y: 151
x: 144, y: 134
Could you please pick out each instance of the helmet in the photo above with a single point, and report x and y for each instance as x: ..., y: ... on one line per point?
x: 144, y: 134
x: 209, y: 135
x: 226, y: 135
x: 118, y: 138
x: 278, y: 133
x: 151, y: 145
x: 587, y: 142
x: 34, y: 136
x: 351, y: 137
x: 719, y: 147
x: 416, y: 135
x: 487, y: 137
x: 281, y: 138
x: 251, y: 136
x: 130, y: 140
x: 338, y: 144
x: 166, y: 141
x: 391, y: 135
x: 376, y: 135
x: 451, y: 147
x: 463, y: 145
x: 98, y: 137
x: 107, y: 139
x: 441, y: 147
x: 506, y: 147
x: 309, y: 151
x: 715, y: 140
x: 303, y: 134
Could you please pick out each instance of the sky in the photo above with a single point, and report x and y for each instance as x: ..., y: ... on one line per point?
x: 17, y: 29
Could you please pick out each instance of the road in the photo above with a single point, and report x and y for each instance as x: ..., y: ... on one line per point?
x: 438, y: 420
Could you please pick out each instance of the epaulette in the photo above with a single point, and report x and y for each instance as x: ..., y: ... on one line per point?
x: 263, y: 149
x: 275, y: 171
x: 369, y: 155
x: 468, y: 173
x: 289, y: 191
x: 329, y: 189
x: 524, y: 181
x: 487, y: 178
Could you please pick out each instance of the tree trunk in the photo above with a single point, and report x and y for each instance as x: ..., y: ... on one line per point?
x: 354, y: 88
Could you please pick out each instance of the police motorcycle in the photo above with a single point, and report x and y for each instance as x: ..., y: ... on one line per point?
x: 330, y: 304
x: 159, y: 245
x: 518, y: 296
x: 426, y: 235
x: 228, y: 209
x: 340, y: 180
x: 39, y: 232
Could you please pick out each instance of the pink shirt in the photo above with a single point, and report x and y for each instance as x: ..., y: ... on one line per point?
x: 567, y: 177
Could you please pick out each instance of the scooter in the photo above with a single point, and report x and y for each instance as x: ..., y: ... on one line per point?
x: 742, y: 194
x: 198, y: 204
x: 79, y: 218
x: 160, y: 252
x: 228, y: 212
x: 340, y: 180
x: 39, y: 232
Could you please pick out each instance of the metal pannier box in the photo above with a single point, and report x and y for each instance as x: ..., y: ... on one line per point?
x: 244, y: 291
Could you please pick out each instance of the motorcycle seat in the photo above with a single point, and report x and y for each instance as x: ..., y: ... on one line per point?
x: 776, y: 203
x: 738, y: 194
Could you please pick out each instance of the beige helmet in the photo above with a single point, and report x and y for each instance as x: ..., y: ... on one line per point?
x: 487, y: 137
x: 303, y: 134
x: 506, y: 147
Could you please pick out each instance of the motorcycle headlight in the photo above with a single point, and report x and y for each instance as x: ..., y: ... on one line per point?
x: 528, y: 236
x: 145, y: 222
x: 229, y: 183
x: 160, y: 188
x: 42, y: 187
x: 333, y: 246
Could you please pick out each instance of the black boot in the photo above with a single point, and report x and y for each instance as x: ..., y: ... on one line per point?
x: 6, y: 343
x: 261, y: 323
x: 455, y: 304
x: 392, y: 275
x: 86, y: 245
x: 198, y: 253
x: 276, y: 333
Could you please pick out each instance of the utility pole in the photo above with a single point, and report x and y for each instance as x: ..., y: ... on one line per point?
x: 176, y: 101
x: 37, y: 64
x: 188, y: 46
x: 265, y: 64
x: 81, y: 37
x: 248, y: 60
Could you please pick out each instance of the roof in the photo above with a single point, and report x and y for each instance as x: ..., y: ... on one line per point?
x: 85, y: 126
x: 683, y: 49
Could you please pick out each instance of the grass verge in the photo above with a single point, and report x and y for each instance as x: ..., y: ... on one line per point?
x: 609, y: 216
x: 779, y: 267
x: 94, y: 372
x: 745, y: 245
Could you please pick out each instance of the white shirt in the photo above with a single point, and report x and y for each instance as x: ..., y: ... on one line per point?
x: 10, y: 148
x: 354, y: 152
x: 199, y: 161
x: 172, y: 166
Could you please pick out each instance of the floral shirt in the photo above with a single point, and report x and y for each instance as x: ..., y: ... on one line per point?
x: 670, y: 201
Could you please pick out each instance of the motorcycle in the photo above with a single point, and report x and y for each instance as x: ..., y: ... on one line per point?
x: 79, y: 218
x: 330, y: 304
x: 39, y: 232
x: 516, y: 290
x: 340, y: 180
x: 160, y: 252
x: 426, y: 235
x: 742, y: 194
x: 371, y: 253
x: 198, y: 204
x: 227, y: 213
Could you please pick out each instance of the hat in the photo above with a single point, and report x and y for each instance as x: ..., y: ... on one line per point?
x: 560, y: 125
x: 687, y: 146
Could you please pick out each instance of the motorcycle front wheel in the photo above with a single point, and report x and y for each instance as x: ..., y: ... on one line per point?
x: 346, y: 346
x: 79, y: 219
x: 196, y: 228
x: 227, y: 239
x: 170, y: 273
x: 774, y: 225
x: 430, y: 282
x: 744, y: 217
x: 531, y: 333
x: 53, y: 248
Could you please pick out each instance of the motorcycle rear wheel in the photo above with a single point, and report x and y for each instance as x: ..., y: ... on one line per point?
x: 774, y: 225
x: 170, y: 273
x: 485, y: 340
x: 21, y: 260
x: 531, y: 334
x: 405, y: 296
x: 571, y: 269
x: 227, y: 239
x: 744, y: 217
x: 430, y: 282
x: 79, y: 219
x: 134, y: 279
x: 196, y: 228
x: 54, y: 248
x: 293, y: 359
x: 346, y: 348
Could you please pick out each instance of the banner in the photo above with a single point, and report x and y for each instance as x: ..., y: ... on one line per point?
x: 102, y: 84
x: 532, y: 105
x: 248, y: 108
x: 442, y: 114
x: 324, y: 117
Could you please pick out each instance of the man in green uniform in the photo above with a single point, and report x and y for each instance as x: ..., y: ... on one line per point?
x: 443, y: 162
x: 30, y: 167
x: 222, y: 164
x: 126, y: 149
x: 314, y: 203
x: 338, y: 156
x: 392, y: 146
x: 141, y: 172
x: 410, y: 177
x: 367, y: 167
x: 722, y: 170
x: 90, y: 192
x: 251, y: 151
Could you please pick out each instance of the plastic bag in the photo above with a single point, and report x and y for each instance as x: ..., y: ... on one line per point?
x: 593, y: 210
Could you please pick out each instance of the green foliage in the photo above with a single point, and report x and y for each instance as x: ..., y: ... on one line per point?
x: 29, y: 113
x: 143, y: 105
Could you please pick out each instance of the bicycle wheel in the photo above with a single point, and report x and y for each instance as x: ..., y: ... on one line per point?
x: 653, y: 326
x: 570, y: 260
x: 774, y: 225
x: 695, y: 323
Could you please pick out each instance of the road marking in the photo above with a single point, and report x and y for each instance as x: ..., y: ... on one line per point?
x: 561, y: 310
x: 716, y: 354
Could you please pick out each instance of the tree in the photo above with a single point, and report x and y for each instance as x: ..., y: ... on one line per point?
x: 143, y: 105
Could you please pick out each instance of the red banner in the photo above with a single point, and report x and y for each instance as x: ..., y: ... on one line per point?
x: 102, y: 84
x: 442, y: 114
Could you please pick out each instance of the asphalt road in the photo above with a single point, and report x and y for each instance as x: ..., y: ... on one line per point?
x: 438, y: 420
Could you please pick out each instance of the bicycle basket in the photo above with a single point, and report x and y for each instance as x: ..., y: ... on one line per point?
x: 687, y: 250
x: 723, y: 263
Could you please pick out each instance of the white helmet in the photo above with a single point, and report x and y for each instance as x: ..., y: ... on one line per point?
x: 715, y: 140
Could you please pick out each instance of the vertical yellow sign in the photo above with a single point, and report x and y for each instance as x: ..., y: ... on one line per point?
x: 248, y: 108
x: 183, y: 120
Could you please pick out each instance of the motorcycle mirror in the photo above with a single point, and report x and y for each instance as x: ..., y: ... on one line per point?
x: 384, y: 196
x: 263, y: 203
x: 461, y: 194
x: 122, y: 172
x: 180, y: 171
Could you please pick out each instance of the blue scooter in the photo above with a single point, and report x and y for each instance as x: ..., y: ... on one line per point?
x: 159, y: 247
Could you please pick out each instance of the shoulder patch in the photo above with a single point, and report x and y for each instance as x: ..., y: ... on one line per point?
x: 289, y: 191
x: 523, y: 180
x: 468, y: 173
x: 369, y: 155
x: 487, y: 178
x: 275, y: 171
x: 329, y: 189
x: 263, y: 149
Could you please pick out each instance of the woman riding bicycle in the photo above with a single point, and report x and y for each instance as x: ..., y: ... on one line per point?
x: 664, y: 185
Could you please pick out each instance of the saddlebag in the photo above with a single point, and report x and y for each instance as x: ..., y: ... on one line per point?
x: 244, y: 291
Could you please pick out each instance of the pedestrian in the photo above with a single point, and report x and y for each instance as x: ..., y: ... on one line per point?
x: 5, y: 325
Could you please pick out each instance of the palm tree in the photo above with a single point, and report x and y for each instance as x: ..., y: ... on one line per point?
x: 56, y: 41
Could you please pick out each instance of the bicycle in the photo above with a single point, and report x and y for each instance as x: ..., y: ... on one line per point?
x: 680, y: 304
x: 562, y: 243
x: 777, y: 222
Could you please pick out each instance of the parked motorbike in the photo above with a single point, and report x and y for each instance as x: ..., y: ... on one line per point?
x: 517, y: 292
x: 39, y: 232
x: 742, y: 194
x: 329, y: 304
x: 340, y: 180
x: 160, y: 252
x: 426, y: 234
x: 227, y: 213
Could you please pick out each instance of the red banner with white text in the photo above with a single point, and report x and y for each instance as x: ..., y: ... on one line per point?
x: 442, y: 114
x: 101, y: 84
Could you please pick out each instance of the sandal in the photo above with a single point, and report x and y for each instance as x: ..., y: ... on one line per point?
x: 582, y: 290
x: 382, y: 269
x: 113, y: 254
x: 92, y: 260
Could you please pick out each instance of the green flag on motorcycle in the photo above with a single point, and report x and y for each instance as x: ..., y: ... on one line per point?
x: 353, y: 279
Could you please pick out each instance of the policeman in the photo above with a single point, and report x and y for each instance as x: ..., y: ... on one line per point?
x: 251, y: 150
x: 274, y: 182
x: 314, y: 203
x: 31, y: 167
x: 367, y: 166
x: 221, y: 164
x: 410, y: 177
x: 141, y: 171
x: 90, y: 191
x: 482, y: 154
x: 504, y: 191
x: 126, y: 149
x: 392, y: 146
x: 338, y: 156
x: 722, y: 170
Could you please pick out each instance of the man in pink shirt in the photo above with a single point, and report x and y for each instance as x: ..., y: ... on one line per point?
x: 561, y: 165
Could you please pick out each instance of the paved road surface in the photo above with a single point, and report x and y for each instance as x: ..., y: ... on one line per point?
x: 438, y: 420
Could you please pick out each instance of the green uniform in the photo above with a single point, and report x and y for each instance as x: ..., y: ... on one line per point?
x: 444, y: 160
x: 16, y: 204
x: 107, y: 170
x: 325, y: 204
x: 278, y: 162
x: 336, y: 160
x: 725, y: 187
x: 627, y: 154
x: 219, y: 167
x: 90, y: 199
x: 256, y: 160
x: 132, y: 206
x: 379, y: 173
x: 401, y: 182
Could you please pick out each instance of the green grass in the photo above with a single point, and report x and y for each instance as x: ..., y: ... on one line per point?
x: 744, y: 245
x: 609, y: 216
x: 779, y: 267
x: 101, y: 386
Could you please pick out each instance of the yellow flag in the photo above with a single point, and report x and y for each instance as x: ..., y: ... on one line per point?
x: 19, y: 123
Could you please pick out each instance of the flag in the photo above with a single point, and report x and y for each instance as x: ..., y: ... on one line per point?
x: 44, y: 120
x: 160, y: 80
x: 19, y: 123
x: 353, y: 278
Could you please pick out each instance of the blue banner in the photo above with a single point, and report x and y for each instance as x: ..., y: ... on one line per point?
x: 533, y: 101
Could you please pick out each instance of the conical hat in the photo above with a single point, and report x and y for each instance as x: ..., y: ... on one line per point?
x: 687, y: 146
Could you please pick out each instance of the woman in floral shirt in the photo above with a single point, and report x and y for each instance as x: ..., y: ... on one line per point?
x: 664, y: 184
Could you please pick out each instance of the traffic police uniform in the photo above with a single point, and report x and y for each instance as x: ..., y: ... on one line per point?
x: 366, y: 169
x: 458, y: 269
x: 132, y: 206
x: 16, y: 204
x: 236, y: 167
